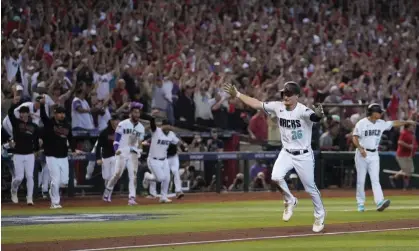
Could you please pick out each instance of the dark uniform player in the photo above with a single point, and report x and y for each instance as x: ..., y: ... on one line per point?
x: 25, y: 136
x: 105, y: 154
x: 57, y: 134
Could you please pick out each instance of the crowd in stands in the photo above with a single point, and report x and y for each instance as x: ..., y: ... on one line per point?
x: 95, y: 56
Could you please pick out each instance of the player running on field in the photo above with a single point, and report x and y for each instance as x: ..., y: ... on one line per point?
x: 128, y: 137
x: 295, y: 123
x: 366, y: 138
x: 105, y: 155
x: 157, y: 161
x: 57, y: 137
x: 25, y: 136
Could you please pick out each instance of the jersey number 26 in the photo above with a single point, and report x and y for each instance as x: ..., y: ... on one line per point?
x: 297, y: 134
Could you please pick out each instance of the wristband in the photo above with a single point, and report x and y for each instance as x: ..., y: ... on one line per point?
x: 238, y: 95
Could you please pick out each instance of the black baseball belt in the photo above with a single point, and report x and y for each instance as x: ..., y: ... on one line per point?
x: 159, y: 159
x: 371, y: 150
x: 296, y: 152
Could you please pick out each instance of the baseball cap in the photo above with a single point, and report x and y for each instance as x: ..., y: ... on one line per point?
x: 59, y: 109
x: 291, y: 88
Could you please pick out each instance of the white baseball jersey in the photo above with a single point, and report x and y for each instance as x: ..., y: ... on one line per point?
x: 370, y: 133
x: 130, y: 134
x: 160, y: 142
x: 295, y: 126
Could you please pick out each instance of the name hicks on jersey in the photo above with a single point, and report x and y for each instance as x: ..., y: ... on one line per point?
x: 289, y: 123
x: 372, y: 133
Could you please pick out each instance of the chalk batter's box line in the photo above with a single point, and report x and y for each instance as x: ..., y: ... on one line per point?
x: 247, y: 239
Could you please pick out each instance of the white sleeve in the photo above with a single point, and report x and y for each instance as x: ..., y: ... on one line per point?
x: 387, y: 125
x: 307, y: 113
x: 119, y: 129
x: 270, y: 107
x: 357, y: 130
x: 142, y: 132
x: 174, y: 139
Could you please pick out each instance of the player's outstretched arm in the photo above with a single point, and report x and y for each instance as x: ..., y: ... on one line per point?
x: 399, y: 123
x: 252, y: 102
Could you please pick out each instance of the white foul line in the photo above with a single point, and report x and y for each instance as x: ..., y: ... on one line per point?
x: 246, y: 239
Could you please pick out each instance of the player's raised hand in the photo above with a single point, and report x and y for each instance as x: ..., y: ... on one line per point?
x: 230, y: 89
x: 318, y: 110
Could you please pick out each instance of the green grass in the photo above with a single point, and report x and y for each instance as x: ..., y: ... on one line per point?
x: 199, y: 217
x: 407, y: 240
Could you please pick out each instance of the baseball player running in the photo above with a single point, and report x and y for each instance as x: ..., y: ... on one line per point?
x: 366, y: 138
x: 157, y: 161
x: 173, y: 162
x: 26, y: 136
x: 128, y: 137
x: 295, y: 123
x: 105, y: 154
x: 57, y: 137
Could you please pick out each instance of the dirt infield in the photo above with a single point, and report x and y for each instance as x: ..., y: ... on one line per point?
x: 160, y: 240
x: 92, y: 201
x: 225, y: 235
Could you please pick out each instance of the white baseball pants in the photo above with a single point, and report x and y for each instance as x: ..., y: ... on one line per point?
x: 370, y: 165
x: 91, y: 165
x: 160, y: 173
x: 173, y: 163
x: 304, y: 166
x: 45, y: 177
x: 108, y: 168
x: 58, y: 170
x: 23, y: 166
x: 130, y: 160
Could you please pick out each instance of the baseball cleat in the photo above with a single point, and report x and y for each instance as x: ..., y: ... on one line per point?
x: 132, y: 202
x: 146, y: 182
x: 56, y: 206
x: 318, y: 225
x: 361, y: 208
x: 14, y: 197
x: 180, y: 195
x: 383, y: 205
x: 29, y: 201
x: 165, y: 201
x: 106, y: 199
x: 289, y: 209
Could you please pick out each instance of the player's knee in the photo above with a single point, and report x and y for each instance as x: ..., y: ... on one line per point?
x: 18, y: 179
x: 278, y: 178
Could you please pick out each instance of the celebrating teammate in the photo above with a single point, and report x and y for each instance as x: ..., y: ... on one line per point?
x: 157, y: 157
x: 128, y: 137
x: 173, y: 162
x: 295, y: 122
x: 25, y: 135
x: 105, y: 154
x: 366, y: 138
x: 57, y: 133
